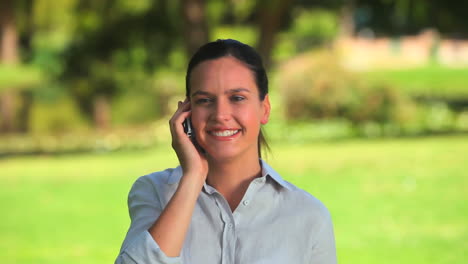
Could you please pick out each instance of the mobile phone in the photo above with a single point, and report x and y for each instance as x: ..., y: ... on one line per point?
x: 188, y: 128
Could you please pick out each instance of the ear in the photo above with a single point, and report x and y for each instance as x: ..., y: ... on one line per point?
x: 266, y: 107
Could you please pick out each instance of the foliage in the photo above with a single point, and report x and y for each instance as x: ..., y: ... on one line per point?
x: 20, y: 76
x: 314, y: 27
x: 311, y: 28
x: 75, y: 136
x: 116, y: 47
x: 135, y: 108
x: 315, y: 86
x: 402, y: 17
x: 134, y: 54
x: 56, y: 117
x: 428, y: 120
x: 84, y: 140
x: 247, y: 35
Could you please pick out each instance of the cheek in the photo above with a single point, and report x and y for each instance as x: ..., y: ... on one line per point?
x: 250, y: 117
x: 198, y: 118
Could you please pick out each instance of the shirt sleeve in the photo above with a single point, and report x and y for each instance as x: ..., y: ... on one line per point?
x: 144, y: 207
x: 324, y: 249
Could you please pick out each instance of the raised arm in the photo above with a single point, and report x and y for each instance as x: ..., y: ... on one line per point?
x: 168, y: 228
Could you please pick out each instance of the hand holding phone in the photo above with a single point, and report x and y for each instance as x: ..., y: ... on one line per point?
x: 192, y: 158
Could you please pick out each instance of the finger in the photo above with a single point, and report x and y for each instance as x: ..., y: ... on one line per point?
x: 186, y: 105
x: 182, y: 107
x: 176, y: 122
x: 180, y: 118
x: 182, y: 112
x: 179, y: 106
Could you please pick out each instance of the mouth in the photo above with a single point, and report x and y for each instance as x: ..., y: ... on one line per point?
x: 224, y: 133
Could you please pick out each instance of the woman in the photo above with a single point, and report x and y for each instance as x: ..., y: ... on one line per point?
x: 223, y: 204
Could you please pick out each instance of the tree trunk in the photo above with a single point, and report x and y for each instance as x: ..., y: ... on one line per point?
x: 195, y: 29
x: 271, y: 17
x: 101, y: 108
x: 9, y: 37
x: 6, y: 112
x: 26, y: 95
x: 25, y: 110
x: 347, y: 27
x: 8, y: 55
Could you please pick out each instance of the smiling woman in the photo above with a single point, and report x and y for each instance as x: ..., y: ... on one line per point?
x: 243, y: 54
x: 224, y: 204
x: 225, y: 106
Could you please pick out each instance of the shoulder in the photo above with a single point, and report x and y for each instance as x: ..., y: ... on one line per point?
x: 167, y: 176
x: 306, y: 203
x: 152, y: 184
x: 295, y: 198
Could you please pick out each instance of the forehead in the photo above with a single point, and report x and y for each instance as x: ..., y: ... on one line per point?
x: 225, y: 73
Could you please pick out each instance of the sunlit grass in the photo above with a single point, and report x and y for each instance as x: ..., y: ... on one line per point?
x: 429, y: 81
x: 392, y: 201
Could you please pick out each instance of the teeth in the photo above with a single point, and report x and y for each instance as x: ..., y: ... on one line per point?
x: 225, y: 133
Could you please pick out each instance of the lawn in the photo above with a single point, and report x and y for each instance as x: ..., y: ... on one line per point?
x: 429, y: 81
x: 392, y: 201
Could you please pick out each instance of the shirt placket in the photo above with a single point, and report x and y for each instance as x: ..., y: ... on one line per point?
x: 229, y: 231
x: 230, y: 220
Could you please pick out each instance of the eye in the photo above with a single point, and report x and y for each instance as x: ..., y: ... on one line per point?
x: 203, y: 100
x: 237, y: 98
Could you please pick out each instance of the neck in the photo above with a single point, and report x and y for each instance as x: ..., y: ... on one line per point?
x: 231, y: 178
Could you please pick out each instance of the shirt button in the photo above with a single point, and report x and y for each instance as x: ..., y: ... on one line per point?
x: 230, y: 225
x: 246, y: 202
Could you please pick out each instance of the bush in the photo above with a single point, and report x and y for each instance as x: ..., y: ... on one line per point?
x: 315, y: 86
x: 311, y: 28
x: 314, y: 27
x: 135, y: 108
x: 55, y: 117
x: 125, y: 138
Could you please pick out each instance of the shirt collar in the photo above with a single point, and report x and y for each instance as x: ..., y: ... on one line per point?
x: 269, y: 171
x: 176, y: 174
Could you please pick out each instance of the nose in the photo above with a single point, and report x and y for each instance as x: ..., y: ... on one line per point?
x: 222, y: 111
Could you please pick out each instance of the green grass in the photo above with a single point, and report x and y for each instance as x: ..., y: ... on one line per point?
x: 392, y: 201
x: 429, y: 81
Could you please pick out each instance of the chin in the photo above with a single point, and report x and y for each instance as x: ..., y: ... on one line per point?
x: 221, y: 154
x: 229, y: 153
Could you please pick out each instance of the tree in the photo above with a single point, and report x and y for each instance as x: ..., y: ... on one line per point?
x: 402, y: 17
x: 121, y: 45
x: 18, y: 77
x: 195, y: 28
x: 8, y: 56
x: 271, y: 17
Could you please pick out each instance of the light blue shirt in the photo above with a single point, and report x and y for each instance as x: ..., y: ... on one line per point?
x: 275, y: 222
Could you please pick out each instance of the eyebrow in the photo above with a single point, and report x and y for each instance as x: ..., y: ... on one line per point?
x: 235, y: 90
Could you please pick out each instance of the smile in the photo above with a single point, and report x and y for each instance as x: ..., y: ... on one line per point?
x: 224, y: 133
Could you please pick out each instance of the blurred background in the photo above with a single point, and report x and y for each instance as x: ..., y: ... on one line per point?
x: 370, y: 115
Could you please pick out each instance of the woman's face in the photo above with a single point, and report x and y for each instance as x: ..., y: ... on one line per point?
x: 226, y: 110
